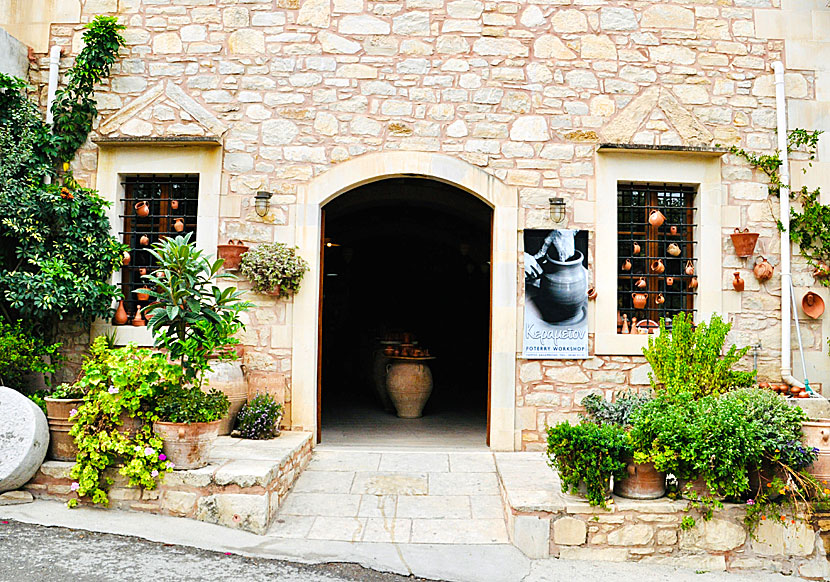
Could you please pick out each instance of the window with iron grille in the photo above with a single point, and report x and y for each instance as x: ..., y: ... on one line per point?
x: 656, y: 259
x: 153, y: 207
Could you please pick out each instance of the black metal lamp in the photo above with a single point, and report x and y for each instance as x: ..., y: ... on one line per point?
x: 262, y: 203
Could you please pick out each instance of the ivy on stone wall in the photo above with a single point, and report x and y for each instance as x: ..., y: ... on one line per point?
x: 57, y: 253
x: 809, y: 226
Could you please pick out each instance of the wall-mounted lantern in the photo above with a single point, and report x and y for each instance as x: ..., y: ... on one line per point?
x: 557, y: 209
x: 262, y: 203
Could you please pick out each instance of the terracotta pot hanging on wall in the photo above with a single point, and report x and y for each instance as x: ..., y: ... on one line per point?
x: 737, y: 282
x: 763, y: 270
x: 744, y: 242
x: 656, y: 218
x: 813, y: 304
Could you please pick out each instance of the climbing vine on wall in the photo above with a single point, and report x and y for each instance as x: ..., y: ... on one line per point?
x: 809, y: 226
x: 56, y: 249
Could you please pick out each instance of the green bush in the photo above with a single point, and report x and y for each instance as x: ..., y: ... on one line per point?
x: 259, y: 419
x: 689, y: 359
x: 119, y: 384
x: 618, y: 412
x: 274, y: 265
x: 590, y: 453
x: 21, y: 354
x: 190, y: 404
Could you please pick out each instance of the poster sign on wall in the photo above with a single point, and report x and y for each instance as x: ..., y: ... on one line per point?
x: 556, y: 294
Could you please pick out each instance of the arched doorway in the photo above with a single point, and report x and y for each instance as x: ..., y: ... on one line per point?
x: 405, y: 258
x: 345, y: 176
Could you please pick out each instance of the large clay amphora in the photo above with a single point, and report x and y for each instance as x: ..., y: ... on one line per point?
x: 564, y: 288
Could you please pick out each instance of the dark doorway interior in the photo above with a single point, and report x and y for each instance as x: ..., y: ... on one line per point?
x: 406, y: 255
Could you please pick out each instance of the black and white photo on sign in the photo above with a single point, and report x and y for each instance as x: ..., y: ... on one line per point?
x: 556, y: 294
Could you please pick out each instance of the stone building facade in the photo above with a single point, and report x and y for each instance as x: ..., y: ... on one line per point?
x: 513, y: 102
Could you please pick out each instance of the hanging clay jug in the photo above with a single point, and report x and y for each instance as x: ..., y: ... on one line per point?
x: 763, y: 269
x: 125, y: 260
x: 121, y: 316
x: 657, y: 266
x: 737, y: 282
x: 142, y: 209
x: 639, y: 300
x: 669, y: 281
x: 178, y: 225
x: 174, y: 204
x: 660, y: 299
x: 144, y: 240
x: 592, y: 293
x: 812, y: 304
x: 673, y: 229
x: 693, y: 283
x: 656, y: 218
x: 626, y: 266
x: 690, y: 268
x: 641, y: 283
x: 636, y: 249
x: 673, y: 249
x: 625, y: 328
x: 142, y: 271
x: 138, y: 321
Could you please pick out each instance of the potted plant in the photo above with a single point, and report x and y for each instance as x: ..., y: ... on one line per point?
x: 641, y: 480
x: 586, y: 456
x: 191, y: 316
x: 274, y: 269
x: 188, y: 422
x: 25, y: 360
x: 113, y: 426
x: 259, y: 419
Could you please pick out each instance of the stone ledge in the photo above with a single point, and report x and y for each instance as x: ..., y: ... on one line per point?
x: 241, y: 488
x: 542, y: 521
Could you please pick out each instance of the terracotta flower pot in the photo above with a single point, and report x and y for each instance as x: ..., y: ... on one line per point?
x: 62, y: 447
x: 187, y: 446
x: 744, y: 242
x: 642, y: 481
x: 232, y: 253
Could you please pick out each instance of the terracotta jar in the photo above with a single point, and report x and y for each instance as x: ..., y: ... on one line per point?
x: 636, y: 249
x: 763, y: 269
x: 144, y: 240
x: 626, y: 266
x: 693, y: 283
x: 737, y: 282
x: 642, y: 481
x: 639, y: 300
x: 656, y: 218
x: 178, y: 225
x: 142, y: 209
x: 660, y: 299
x: 187, y: 446
x: 174, y: 204
x: 690, y: 268
x: 657, y: 266
x: 121, y: 316
x: 744, y: 242
x: 126, y: 258
x: 641, y: 283
x: 673, y: 249
x: 409, y: 385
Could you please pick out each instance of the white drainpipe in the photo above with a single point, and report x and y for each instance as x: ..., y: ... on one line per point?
x: 54, y: 66
x: 784, y: 196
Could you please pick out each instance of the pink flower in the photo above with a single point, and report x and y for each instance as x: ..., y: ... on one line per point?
x: 162, y: 457
x: 170, y: 465
x: 154, y: 473
x: 149, y: 451
x: 73, y: 412
x: 75, y: 486
x: 113, y: 390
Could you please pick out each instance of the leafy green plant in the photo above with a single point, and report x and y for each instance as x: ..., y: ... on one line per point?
x: 21, y: 354
x: 191, y: 316
x: 689, y: 359
x: 119, y: 385
x: 190, y: 404
x: 588, y: 453
x: 618, y: 412
x: 274, y: 266
x: 259, y: 418
x: 57, y: 253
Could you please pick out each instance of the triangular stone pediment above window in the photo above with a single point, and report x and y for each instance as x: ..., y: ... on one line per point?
x: 165, y: 111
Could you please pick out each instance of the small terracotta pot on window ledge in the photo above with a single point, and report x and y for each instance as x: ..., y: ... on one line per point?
x: 275, y: 292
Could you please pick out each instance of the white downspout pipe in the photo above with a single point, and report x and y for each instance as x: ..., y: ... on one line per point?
x: 54, y: 67
x: 784, y: 217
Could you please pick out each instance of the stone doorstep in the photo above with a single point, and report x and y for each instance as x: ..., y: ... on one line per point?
x: 241, y: 488
x: 542, y: 521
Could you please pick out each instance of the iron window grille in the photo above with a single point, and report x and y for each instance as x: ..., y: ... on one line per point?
x: 635, y: 203
x: 170, y: 199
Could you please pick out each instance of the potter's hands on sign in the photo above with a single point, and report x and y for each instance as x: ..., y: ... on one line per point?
x: 532, y: 268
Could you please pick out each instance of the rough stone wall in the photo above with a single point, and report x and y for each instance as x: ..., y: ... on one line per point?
x: 524, y: 90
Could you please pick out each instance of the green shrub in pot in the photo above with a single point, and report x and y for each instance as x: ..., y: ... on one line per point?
x: 618, y: 411
x: 188, y: 405
x: 259, y: 419
x: 588, y: 453
x: 274, y: 268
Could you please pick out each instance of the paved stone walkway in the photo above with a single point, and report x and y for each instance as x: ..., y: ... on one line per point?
x: 395, y: 496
